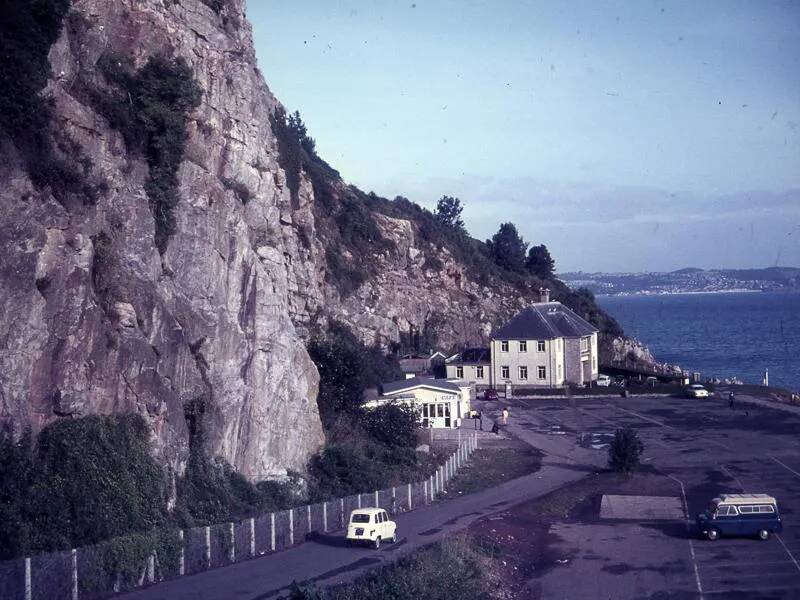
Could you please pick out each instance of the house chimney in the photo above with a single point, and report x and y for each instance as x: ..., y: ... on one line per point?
x: 544, y: 294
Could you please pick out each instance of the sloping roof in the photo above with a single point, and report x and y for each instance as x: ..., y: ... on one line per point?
x: 416, y: 382
x: 480, y: 356
x: 544, y: 321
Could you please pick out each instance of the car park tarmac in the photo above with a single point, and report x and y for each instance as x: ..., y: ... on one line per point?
x: 702, y: 448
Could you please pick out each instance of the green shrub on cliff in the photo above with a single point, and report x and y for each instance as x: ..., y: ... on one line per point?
x: 151, y: 107
x: 28, y: 28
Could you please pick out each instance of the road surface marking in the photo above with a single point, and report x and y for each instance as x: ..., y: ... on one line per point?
x: 785, y: 466
x: 794, y: 560
x: 725, y: 470
x: 662, y: 424
x: 618, y: 425
x: 635, y: 414
x: 691, y: 543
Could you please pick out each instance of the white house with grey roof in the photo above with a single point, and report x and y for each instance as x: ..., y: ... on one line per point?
x: 544, y: 345
x: 440, y: 403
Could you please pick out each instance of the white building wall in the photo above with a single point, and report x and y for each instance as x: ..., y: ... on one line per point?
x: 475, y: 374
x: 531, y: 358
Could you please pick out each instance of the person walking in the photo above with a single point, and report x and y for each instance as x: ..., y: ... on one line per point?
x: 730, y: 399
x: 475, y: 419
x: 505, y: 416
x: 480, y: 418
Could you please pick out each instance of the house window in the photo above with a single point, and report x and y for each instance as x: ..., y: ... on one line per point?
x: 504, y: 372
x: 542, y: 372
x: 440, y: 410
x: 424, y: 411
x: 559, y: 371
x: 504, y: 346
x: 523, y: 372
x: 523, y: 346
x: 478, y: 372
x: 460, y: 372
x: 584, y: 344
x: 540, y: 346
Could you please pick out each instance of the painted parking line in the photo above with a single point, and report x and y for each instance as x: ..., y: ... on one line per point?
x: 640, y: 416
x: 785, y: 466
x: 691, y: 542
x: 789, y: 552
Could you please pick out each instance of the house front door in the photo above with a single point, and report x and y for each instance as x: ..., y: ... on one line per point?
x: 447, y: 415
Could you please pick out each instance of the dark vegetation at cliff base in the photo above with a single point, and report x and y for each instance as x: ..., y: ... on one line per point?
x: 87, y: 480
x: 366, y: 449
x: 150, y: 108
x: 80, y: 482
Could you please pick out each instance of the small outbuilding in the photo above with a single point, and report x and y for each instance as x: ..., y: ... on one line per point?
x: 440, y: 403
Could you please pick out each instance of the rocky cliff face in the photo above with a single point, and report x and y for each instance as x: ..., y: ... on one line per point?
x: 94, y: 319
x: 97, y: 317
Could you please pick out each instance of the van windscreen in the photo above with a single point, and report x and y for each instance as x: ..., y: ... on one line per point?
x: 360, y: 518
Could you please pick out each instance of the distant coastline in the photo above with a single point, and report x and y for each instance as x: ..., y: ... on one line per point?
x: 685, y: 293
x: 686, y: 281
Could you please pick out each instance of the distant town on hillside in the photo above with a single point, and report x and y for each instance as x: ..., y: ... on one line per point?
x: 690, y: 280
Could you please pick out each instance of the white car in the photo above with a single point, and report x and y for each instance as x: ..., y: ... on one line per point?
x: 603, y: 380
x: 371, y: 525
x: 697, y: 391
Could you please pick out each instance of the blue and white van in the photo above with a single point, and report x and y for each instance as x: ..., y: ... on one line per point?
x: 740, y: 515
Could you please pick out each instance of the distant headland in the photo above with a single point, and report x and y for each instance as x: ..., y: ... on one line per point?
x: 687, y: 281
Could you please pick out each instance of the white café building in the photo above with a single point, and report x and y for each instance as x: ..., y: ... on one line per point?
x: 440, y: 403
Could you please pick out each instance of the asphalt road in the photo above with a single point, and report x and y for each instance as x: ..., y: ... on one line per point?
x: 328, y: 560
x: 704, y: 448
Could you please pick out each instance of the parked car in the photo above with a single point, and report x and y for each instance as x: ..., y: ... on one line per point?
x: 371, y: 526
x: 740, y: 514
x: 490, y: 395
x: 603, y: 380
x: 696, y: 391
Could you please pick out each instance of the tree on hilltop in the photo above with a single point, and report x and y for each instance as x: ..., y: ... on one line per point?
x: 448, y: 213
x: 508, y: 248
x: 539, y: 262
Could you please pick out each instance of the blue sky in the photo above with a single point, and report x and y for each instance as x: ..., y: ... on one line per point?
x: 624, y: 135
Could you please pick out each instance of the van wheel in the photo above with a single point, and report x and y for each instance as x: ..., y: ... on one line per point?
x: 393, y: 539
x: 763, y: 534
x: 713, y: 534
x: 377, y: 543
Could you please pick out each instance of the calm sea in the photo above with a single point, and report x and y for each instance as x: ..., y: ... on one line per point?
x: 722, y: 335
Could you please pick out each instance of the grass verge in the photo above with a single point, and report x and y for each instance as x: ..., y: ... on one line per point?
x: 462, y: 567
x: 496, y: 462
